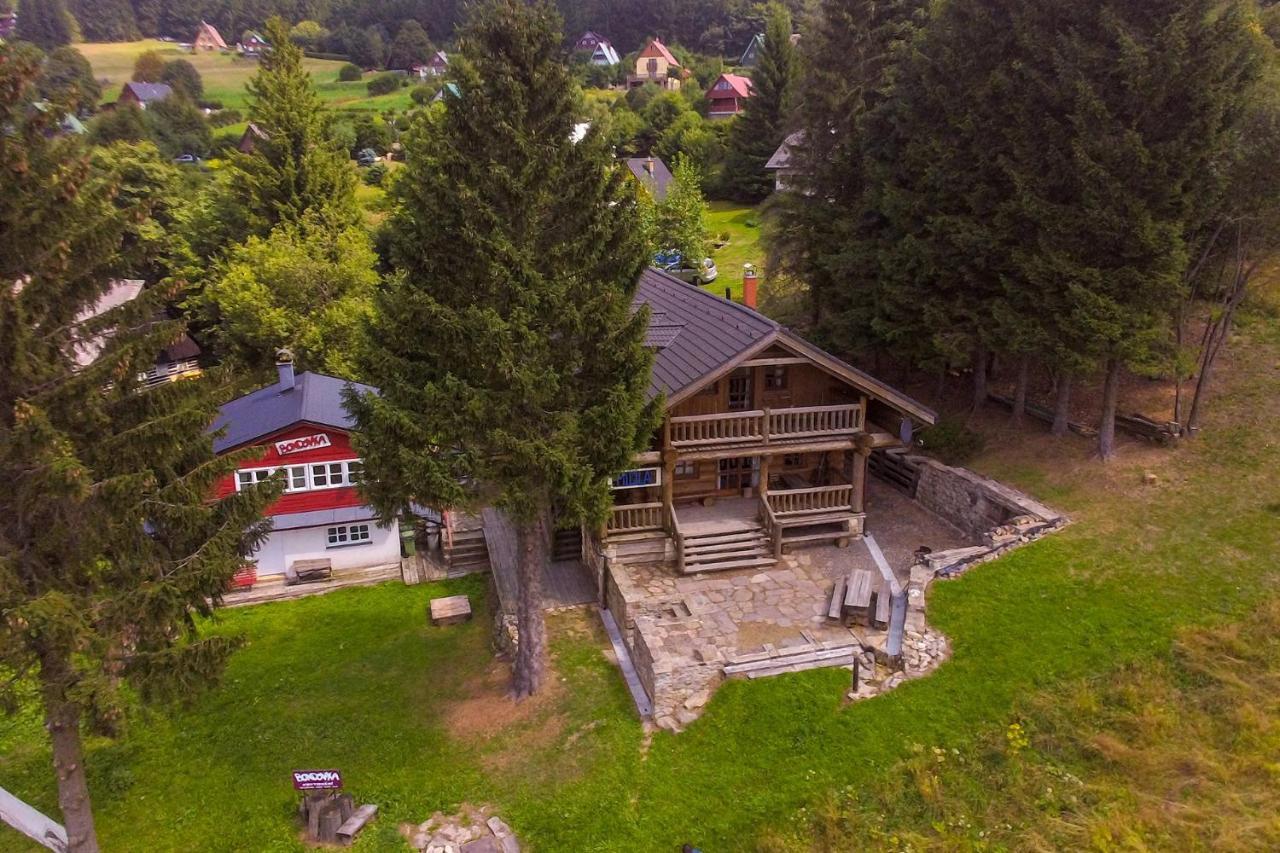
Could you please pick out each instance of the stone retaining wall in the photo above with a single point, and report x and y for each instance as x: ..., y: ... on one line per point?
x: 970, y: 501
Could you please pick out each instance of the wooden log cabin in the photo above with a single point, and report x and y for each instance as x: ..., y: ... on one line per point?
x: 765, y: 439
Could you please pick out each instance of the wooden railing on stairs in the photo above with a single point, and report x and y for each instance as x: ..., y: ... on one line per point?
x: 816, y: 500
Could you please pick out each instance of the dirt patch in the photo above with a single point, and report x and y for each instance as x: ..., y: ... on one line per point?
x: 488, y: 710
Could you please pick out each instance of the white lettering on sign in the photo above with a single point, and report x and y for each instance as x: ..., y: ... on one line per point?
x: 297, y: 445
x: 306, y: 780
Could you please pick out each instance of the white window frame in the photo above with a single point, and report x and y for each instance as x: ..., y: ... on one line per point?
x: 301, y: 476
x: 346, y: 535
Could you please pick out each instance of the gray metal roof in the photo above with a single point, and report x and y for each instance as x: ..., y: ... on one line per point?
x: 781, y: 158
x: 314, y: 398
x: 707, y: 331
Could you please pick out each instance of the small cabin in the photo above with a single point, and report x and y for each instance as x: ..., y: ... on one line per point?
x: 656, y: 64
x: 207, y: 38
x: 728, y: 95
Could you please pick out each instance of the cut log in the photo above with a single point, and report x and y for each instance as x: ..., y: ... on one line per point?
x: 837, y: 600
x: 353, y: 824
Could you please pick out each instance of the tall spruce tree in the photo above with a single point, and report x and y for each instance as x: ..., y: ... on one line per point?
x: 297, y: 170
x: 110, y: 548
x: 512, y: 371
x: 764, y: 122
x: 45, y: 23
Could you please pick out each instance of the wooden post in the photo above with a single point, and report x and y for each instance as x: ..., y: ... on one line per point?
x: 859, y: 477
x: 765, y: 425
x: 668, y: 482
x: 764, y: 475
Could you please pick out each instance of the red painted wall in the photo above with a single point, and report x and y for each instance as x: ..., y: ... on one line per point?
x: 339, y: 448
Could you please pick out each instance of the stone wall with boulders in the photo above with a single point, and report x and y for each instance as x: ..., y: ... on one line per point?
x: 970, y: 501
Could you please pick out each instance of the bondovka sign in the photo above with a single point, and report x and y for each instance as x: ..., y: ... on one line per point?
x: 316, y: 780
x: 306, y: 442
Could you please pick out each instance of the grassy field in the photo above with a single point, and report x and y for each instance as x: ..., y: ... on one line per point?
x: 741, y: 225
x: 1081, y: 639
x: 224, y: 75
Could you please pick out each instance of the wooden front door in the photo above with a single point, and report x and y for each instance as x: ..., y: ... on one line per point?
x: 736, y: 474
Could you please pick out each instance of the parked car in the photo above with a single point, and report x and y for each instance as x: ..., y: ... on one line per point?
x: 187, y: 160
x: 675, y: 263
x: 366, y: 157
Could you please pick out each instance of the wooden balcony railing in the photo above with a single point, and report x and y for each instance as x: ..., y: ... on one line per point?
x: 788, y: 503
x: 765, y: 425
x: 636, y: 518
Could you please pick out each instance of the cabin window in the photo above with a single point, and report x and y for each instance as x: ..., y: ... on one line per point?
x: 793, y: 460
x: 306, y: 478
x: 686, y: 470
x: 740, y: 391
x: 328, y: 474
x: 775, y: 377
x: 348, y: 534
x: 251, y: 477
x: 296, y: 480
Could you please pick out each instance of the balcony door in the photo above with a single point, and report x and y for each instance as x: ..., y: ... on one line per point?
x: 741, y: 388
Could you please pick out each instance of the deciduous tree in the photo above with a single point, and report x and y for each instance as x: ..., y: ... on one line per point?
x: 512, y: 371
x: 410, y: 47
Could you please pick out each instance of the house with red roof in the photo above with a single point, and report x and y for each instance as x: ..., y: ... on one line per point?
x: 299, y: 427
x: 728, y: 95
x: 656, y: 64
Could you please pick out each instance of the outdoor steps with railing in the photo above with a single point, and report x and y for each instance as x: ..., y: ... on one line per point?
x: 713, y: 550
x: 468, y: 553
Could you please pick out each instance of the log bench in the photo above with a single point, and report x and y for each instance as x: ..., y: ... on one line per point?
x: 308, y: 571
x: 450, y: 610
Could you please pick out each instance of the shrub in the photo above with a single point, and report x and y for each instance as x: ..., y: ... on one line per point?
x: 384, y: 83
x: 376, y: 174
x: 422, y: 95
x: 951, y: 441
x: 350, y: 73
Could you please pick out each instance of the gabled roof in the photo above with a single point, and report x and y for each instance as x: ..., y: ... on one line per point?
x: 652, y: 174
x: 699, y: 337
x: 739, y: 85
x: 439, y: 59
x: 314, y: 399
x: 750, y: 55
x: 210, y: 32
x: 781, y: 158
x: 606, y: 52
x: 149, y: 92
x: 121, y: 292
x: 253, y: 35
x: 656, y: 48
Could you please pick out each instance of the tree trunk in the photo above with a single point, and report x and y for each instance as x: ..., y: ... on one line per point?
x: 1212, y: 348
x: 531, y: 648
x: 1110, y: 394
x: 1061, y: 406
x: 979, y: 376
x: 1020, y: 390
x: 62, y: 719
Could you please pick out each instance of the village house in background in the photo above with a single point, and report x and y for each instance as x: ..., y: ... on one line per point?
x: 727, y: 96
x: 656, y: 64
x: 751, y: 56
x: 652, y: 174
x: 782, y: 163
x: 436, y: 66
x: 600, y: 48
x: 320, y: 524
x: 143, y: 94
x: 252, y: 45
x: 250, y: 138
x: 207, y: 38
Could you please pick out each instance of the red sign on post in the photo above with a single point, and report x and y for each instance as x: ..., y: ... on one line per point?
x: 316, y: 780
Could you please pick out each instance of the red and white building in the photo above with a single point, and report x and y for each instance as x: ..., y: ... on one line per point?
x: 301, y: 426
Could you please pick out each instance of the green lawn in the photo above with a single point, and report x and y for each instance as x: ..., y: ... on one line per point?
x: 357, y: 680
x: 741, y: 226
x: 224, y: 75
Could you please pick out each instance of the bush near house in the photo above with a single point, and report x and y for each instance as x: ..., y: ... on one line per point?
x: 385, y: 83
x: 349, y: 73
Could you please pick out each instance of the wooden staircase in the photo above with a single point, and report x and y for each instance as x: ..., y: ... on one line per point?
x: 468, y: 554
x: 567, y: 545
x: 743, y: 545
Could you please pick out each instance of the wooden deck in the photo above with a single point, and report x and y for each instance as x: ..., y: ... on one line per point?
x: 565, y: 583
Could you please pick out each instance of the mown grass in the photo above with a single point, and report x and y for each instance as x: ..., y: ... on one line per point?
x: 741, y: 225
x: 415, y: 719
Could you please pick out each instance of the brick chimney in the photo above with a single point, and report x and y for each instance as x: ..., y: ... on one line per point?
x: 750, y: 285
x: 648, y: 165
x: 284, y: 367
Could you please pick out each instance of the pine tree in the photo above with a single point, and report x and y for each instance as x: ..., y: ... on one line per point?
x: 106, y: 20
x: 765, y: 118
x: 45, y: 23
x: 679, y: 219
x: 410, y: 47
x: 296, y: 170
x: 110, y: 548
x: 511, y: 369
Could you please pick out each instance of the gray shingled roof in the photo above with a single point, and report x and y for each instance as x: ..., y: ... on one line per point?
x: 148, y: 92
x: 314, y: 398
x: 656, y: 181
x: 781, y: 158
x: 711, y: 331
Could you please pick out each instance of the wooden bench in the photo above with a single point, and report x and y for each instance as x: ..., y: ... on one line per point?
x: 857, y: 596
x: 308, y: 571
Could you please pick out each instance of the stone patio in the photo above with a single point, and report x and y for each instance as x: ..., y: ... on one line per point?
x: 683, y: 630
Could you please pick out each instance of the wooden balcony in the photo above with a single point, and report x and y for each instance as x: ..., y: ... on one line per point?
x: 764, y: 427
